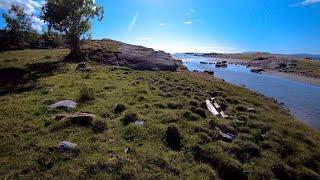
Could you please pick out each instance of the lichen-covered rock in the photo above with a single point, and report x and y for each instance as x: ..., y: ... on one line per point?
x: 116, y: 53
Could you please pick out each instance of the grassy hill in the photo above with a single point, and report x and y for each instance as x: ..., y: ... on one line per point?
x: 269, y: 143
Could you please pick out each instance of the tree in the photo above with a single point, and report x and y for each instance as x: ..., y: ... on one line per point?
x: 19, y: 26
x: 72, y: 18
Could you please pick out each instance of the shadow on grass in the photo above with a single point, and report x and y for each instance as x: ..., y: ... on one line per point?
x: 18, y: 80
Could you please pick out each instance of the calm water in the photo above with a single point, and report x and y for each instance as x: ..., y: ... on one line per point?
x: 303, y: 100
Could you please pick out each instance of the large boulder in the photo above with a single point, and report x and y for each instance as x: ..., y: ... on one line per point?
x: 116, y: 53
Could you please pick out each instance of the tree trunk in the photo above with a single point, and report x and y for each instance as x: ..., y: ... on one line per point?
x: 76, y: 49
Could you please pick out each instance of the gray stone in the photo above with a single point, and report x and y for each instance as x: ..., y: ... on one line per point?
x: 252, y: 110
x: 65, y: 147
x: 65, y: 104
x: 139, y: 123
x: 226, y: 136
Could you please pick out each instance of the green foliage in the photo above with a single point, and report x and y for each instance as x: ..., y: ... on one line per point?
x: 133, y: 133
x: 86, y: 94
x: 119, y: 108
x: 18, y: 29
x: 130, y: 117
x: 99, y: 126
x: 71, y: 18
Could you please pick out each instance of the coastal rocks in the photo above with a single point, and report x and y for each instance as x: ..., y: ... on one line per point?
x: 209, y: 72
x: 257, y: 70
x: 65, y: 104
x: 116, y: 53
x: 65, y: 147
x: 281, y: 64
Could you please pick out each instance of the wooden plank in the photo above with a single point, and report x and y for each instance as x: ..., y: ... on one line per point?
x: 223, y: 115
x: 211, y: 108
x: 216, y: 105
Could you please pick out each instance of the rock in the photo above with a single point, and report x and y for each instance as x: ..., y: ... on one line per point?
x: 116, y: 53
x: 257, y: 70
x: 65, y: 147
x: 251, y: 110
x: 65, y: 104
x: 139, y: 123
x: 78, y: 118
x: 225, y: 136
x: 81, y: 118
x: 82, y: 67
x: 127, y: 150
x: 209, y: 72
x: 60, y: 117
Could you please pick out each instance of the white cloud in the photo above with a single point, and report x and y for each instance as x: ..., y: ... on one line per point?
x: 308, y: 2
x: 188, y: 22
x: 163, y: 24
x: 30, y: 7
x: 133, y: 22
x: 305, y: 3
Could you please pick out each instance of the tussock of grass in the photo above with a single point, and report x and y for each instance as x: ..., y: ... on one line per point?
x: 269, y: 144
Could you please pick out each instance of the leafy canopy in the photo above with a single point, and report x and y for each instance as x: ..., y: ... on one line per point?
x: 71, y: 17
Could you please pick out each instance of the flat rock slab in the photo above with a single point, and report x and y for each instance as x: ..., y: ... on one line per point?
x: 226, y: 136
x: 65, y: 147
x: 65, y: 104
x: 78, y: 118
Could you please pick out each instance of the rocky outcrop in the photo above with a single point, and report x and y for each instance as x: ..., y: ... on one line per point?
x: 274, y: 63
x: 116, y: 53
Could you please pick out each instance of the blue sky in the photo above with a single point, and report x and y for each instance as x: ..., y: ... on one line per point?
x: 279, y: 26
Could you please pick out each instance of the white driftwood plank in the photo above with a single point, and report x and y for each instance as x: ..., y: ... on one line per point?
x: 211, y: 108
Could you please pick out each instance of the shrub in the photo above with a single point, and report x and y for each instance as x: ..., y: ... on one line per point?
x: 241, y: 108
x: 86, y: 94
x: 173, y: 105
x: 119, y: 108
x: 228, y: 167
x: 199, y: 111
x: 129, y: 117
x: 193, y: 103
x: 99, y: 126
x: 188, y: 115
x: 133, y: 132
x: 173, y: 137
x: 247, y: 150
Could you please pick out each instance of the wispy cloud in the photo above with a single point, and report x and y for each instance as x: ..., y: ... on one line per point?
x: 30, y: 7
x: 305, y: 3
x: 163, y: 24
x: 189, y: 16
x: 133, y: 21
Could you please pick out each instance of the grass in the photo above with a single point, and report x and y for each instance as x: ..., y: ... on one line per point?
x: 269, y: 144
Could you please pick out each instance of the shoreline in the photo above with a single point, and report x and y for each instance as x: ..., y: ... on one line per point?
x: 290, y: 76
x: 296, y: 77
